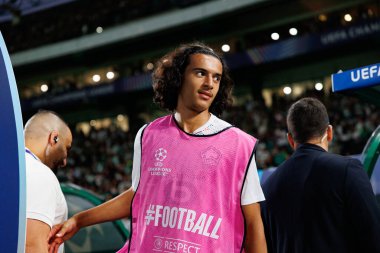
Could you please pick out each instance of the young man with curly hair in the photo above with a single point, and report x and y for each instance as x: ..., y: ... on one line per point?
x: 195, y: 185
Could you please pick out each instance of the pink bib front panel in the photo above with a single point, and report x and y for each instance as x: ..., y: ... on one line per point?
x: 188, y: 198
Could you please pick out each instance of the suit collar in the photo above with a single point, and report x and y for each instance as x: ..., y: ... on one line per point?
x: 307, y: 146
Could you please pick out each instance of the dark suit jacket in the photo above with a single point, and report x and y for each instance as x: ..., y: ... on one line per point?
x: 320, y: 202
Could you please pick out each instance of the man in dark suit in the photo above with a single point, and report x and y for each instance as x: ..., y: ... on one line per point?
x: 317, y: 201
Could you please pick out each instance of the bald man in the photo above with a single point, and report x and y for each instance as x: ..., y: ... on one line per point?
x: 47, y: 140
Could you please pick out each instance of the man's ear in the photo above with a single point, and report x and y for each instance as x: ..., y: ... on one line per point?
x: 330, y: 133
x: 53, y: 138
x: 291, y: 140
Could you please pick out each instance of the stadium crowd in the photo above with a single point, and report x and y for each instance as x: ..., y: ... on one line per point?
x: 101, y: 160
x: 87, y: 17
x: 54, y: 25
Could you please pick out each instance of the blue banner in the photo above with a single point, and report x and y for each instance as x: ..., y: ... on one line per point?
x: 356, y: 78
x: 12, y: 161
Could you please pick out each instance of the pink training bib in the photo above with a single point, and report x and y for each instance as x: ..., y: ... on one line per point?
x: 188, y: 198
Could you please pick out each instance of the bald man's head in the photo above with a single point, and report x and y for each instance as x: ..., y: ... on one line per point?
x: 48, y: 137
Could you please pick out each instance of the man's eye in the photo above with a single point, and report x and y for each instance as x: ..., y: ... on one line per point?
x: 200, y: 73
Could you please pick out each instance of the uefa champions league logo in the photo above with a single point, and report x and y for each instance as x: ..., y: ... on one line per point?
x: 160, y: 156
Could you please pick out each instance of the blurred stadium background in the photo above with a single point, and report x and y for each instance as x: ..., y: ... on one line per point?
x: 91, y: 61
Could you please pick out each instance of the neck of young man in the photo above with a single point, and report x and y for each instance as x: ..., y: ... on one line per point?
x: 189, y: 120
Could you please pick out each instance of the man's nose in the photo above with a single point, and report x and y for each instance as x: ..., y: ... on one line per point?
x: 209, y: 82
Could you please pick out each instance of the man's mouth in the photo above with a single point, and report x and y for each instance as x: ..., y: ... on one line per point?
x: 205, y: 93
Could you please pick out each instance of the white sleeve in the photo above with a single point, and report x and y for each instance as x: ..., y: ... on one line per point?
x: 252, y: 192
x: 137, y: 159
x: 41, y: 197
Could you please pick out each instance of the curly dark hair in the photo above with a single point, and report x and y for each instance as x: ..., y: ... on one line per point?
x: 168, y: 75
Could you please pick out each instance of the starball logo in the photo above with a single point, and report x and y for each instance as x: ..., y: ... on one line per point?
x: 160, y: 154
x: 158, y: 170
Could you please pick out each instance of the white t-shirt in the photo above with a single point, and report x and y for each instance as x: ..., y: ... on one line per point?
x: 252, y: 192
x: 44, y: 198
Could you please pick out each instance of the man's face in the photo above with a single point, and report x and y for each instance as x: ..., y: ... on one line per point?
x: 200, y: 84
x: 58, y: 153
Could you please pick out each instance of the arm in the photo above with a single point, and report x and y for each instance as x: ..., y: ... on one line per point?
x: 251, y: 195
x: 255, y: 238
x: 36, y: 234
x: 114, y: 209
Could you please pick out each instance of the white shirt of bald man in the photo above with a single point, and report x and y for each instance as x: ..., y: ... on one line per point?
x: 44, y: 198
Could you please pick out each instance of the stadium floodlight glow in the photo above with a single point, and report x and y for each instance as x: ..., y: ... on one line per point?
x: 44, y: 87
x: 275, y: 36
x: 96, y: 78
x: 293, y: 31
x: 318, y: 86
x: 149, y: 66
x: 226, y: 48
x: 322, y: 18
x: 287, y: 90
x: 120, y: 117
x: 348, y: 18
x: 110, y: 75
x: 99, y: 29
x: 370, y: 12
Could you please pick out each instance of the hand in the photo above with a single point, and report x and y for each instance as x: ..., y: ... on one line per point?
x: 62, y: 232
